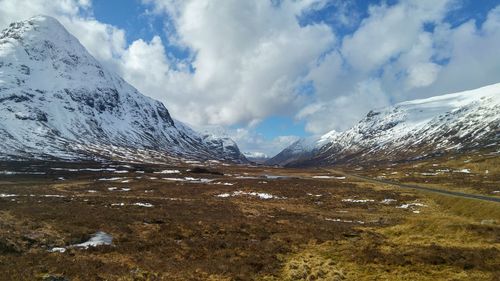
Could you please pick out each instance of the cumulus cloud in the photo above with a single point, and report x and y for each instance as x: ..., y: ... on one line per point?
x: 249, y: 58
x: 472, y: 54
x: 345, y: 110
x: 22, y: 9
x: 251, y: 141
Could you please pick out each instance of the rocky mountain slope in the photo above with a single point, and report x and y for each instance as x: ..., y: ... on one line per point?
x: 408, y: 130
x: 57, y: 101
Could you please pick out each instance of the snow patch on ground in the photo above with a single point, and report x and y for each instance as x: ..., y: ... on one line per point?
x: 53, y: 195
x: 121, y: 172
x: 190, y: 179
x: 99, y: 238
x: 139, y: 204
x: 58, y: 250
x: 345, y: 221
x: 118, y: 188
x: 247, y: 177
x: 224, y: 183
x: 168, y: 172
x: 4, y: 195
x: 110, y: 179
x: 173, y: 179
x: 357, y: 200
x: 388, y: 201
x: 147, y: 205
x: 429, y: 174
x: 223, y: 195
x: 412, y: 207
x: 314, y: 195
x: 260, y: 195
x: 465, y: 171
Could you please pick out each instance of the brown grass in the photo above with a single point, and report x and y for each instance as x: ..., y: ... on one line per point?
x: 449, y: 240
x: 190, y: 234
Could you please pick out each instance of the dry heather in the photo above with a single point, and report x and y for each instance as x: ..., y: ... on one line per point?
x: 235, y: 223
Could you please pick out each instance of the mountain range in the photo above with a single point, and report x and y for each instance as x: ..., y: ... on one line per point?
x: 59, y: 102
x: 410, y: 130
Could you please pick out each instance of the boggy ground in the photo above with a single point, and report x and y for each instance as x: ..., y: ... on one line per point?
x: 220, y: 222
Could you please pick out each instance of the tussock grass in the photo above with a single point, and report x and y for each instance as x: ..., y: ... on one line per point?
x: 451, y: 239
x: 469, y: 208
x: 476, y: 163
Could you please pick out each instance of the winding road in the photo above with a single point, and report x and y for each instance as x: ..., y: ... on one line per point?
x: 419, y: 187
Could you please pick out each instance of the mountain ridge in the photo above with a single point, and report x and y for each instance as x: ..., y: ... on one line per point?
x: 408, y: 130
x: 60, y: 102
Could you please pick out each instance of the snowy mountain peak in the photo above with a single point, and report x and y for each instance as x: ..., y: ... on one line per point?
x: 45, y: 37
x: 39, y: 28
x: 408, y: 130
x: 58, y: 101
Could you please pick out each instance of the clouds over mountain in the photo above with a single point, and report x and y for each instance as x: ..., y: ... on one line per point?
x: 247, y: 60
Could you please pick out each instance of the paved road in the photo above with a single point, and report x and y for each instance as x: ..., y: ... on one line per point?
x: 418, y: 187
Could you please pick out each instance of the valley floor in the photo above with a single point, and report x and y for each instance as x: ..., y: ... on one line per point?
x: 88, y: 221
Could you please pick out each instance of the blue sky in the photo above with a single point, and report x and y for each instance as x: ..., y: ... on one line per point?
x: 269, y: 72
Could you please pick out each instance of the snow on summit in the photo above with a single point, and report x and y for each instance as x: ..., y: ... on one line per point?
x: 58, y: 101
x: 410, y: 129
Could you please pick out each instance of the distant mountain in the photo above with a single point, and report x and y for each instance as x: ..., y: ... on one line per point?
x: 408, y: 130
x: 57, y: 101
x: 257, y: 157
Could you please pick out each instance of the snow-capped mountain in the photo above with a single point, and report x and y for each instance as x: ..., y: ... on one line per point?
x: 408, y: 130
x: 302, y: 149
x: 57, y: 101
x: 256, y: 157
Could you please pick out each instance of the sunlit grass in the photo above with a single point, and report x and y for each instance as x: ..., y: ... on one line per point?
x: 452, y: 239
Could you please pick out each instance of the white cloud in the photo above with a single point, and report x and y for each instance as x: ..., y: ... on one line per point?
x: 15, y: 10
x: 251, y: 141
x: 344, y: 111
x: 145, y: 64
x: 389, y: 31
x: 422, y: 74
x: 250, y: 57
x: 472, y: 53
